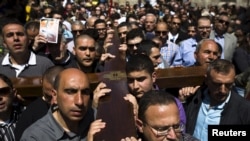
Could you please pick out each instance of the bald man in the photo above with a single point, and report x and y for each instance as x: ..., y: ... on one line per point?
x: 90, y: 22
x: 71, y: 117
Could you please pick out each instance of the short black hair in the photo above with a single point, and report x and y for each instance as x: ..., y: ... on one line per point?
x: 6, y: 21
x: 154, y: 97
x: 98, y: 21
x: 137, y: 32
x: 6, y: 80
x: 139, y: 62
x: 146, y: 46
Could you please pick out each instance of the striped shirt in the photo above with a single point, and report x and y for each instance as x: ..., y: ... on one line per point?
x: 7, y: 127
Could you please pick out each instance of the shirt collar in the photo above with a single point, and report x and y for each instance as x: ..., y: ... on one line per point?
x: 220, y: 106
x: 217, y: 36
x: 32, y: 59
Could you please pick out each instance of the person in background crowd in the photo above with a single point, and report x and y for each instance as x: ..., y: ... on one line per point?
x: 149, y: 25
x: 175, y: 35
x: 185, y: 56
x: 241, y: 56
x: 39, y: 107
x: 227, y: 41
x: 169, y: 49
x: 10, y: 110
x: 77, y: 28
x: 150, y: 49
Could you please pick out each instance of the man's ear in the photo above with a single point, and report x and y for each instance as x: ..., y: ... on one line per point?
x: 195, y: 55
x: 139, y: 125
x: 74, y: 51
x: 4, y: 44
x: 14, y: 91
x: 54, y: 96
x: 154, y: 76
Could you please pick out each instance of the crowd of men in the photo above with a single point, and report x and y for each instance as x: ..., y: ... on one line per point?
x: 151, y: 36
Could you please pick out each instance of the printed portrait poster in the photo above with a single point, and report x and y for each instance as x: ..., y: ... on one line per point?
x: 49, y: 28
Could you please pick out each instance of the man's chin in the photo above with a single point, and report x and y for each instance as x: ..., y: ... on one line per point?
x: 139, y: 95
x: 88, y: 64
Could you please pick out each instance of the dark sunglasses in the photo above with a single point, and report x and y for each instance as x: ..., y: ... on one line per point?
x: 109, y: 25
x: 76, y: 31
x: 191, y: 31
x: 91, y: 49
x: 5, y: 91
x: 223, y: 22
x: 176, y: 23
x: 125, y: 32
x: 161, y: 32
x: 132, y: 45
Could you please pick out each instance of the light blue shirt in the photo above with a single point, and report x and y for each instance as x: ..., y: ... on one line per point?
x: 208, y: 116
x: 220, y: 40
x: 185, y: 55
x: 168, y: 53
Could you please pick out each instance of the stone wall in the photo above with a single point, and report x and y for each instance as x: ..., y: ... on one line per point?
x: 218, y: 2
x: 199, y: 2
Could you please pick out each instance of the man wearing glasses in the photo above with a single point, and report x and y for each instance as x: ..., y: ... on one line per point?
x: 169, y: 49
x: 133, y: 39
x: 9, y: 109
x: 227, y: 41
x: 185, y: 55
x: 159, y: 119
x: 77, y: 28
x: 175, y: 34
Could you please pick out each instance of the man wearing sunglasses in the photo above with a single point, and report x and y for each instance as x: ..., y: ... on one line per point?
x: 77, y: 28
x: 185, y: 56
x: 133, y: 39
x: 227, y: 41
x: 169, y: 49
x: 10, y: 110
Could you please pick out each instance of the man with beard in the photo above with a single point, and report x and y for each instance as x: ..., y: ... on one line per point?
x: 169, y: 49
x: 101, y: 27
